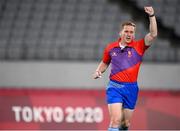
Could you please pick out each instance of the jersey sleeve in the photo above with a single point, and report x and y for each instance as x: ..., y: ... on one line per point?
x: 106, y: 57
x: 140, y: 46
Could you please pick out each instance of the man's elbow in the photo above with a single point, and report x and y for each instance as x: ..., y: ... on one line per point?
x: 154, y: 35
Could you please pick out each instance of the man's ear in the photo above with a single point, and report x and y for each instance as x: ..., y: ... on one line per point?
x: 119, y: 33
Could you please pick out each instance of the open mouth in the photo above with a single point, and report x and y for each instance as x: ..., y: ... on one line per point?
x: 128, y: 38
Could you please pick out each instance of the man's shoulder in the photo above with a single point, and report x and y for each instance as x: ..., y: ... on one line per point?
x: 136, y: 43
x: 139, y: 40
x: 112, y: 45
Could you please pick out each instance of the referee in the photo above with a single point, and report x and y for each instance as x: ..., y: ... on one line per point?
x: 125, y: 56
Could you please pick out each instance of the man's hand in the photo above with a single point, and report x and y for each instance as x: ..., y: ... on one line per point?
x: 97, y: 74
x: 149, y: 10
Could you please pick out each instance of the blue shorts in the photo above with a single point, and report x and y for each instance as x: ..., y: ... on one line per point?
x: 125, y: 93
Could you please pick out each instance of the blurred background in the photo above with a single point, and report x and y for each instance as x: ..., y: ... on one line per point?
x: 50, y: 48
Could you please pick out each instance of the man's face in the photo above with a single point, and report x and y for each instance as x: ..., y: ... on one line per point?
x: 127, y: 33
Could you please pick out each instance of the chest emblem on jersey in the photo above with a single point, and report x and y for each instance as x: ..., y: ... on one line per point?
x: 129, y: 53
x: 114, y: 54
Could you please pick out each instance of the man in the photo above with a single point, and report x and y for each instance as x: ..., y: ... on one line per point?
x: 125, y: 57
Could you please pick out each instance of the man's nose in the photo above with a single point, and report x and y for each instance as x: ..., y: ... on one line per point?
x: 128, y: 34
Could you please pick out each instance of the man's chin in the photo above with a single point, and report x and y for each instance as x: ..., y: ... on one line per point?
x: 128, y: 41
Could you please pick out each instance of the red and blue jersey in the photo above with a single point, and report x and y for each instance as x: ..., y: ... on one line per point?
x: 124, y: 63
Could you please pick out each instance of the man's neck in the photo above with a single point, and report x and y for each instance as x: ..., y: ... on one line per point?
x: 122, y: 44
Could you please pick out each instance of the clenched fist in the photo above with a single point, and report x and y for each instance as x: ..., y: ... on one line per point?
x: 149, y: 10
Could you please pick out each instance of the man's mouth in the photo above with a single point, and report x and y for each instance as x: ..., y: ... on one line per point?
x: 128, y: 38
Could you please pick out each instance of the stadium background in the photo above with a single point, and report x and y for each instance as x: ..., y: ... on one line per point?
x: 50, y: 48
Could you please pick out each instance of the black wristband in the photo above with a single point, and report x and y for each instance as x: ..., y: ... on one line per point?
x: 151, y: 15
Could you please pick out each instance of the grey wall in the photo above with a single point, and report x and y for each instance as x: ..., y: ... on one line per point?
x: 79, y: 75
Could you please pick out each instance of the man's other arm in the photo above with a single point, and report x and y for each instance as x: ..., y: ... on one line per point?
x: 152, y: 26
x: 100, y: 69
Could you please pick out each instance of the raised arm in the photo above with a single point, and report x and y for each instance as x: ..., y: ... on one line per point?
x: 152, y: 26
x: 100, y: 69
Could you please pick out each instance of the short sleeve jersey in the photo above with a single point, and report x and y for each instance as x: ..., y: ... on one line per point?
x: 125, y: 63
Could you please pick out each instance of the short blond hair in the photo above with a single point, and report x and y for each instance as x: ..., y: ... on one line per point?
x: 128, y: 23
